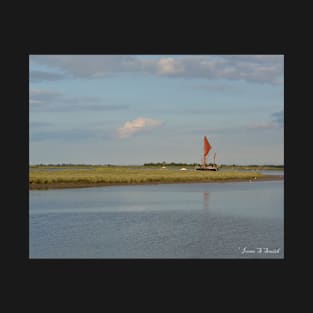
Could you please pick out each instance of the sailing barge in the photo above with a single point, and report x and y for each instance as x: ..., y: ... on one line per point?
x: 206, y: 148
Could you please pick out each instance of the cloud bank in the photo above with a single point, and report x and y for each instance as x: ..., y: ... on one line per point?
x: 45, y: 100
x: 138, y: 125
x: 40, y: 76
x: 278, y: 118
x: 250, y: 68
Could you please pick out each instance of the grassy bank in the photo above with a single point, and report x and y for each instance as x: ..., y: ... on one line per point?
x: 106, y: 175
x: 253, y: 167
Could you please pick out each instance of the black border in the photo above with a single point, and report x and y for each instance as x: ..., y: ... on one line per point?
x: 179, y: 268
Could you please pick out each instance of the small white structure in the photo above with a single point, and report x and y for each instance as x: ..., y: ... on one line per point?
x: 183, y: 169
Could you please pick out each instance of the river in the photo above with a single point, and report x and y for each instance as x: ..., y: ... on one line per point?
x: 200, y: 220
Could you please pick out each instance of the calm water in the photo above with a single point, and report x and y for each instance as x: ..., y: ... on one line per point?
x: 203, y: 220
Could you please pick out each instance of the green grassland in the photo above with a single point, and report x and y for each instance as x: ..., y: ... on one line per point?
x: 253, y: 167
x: 111, y: 175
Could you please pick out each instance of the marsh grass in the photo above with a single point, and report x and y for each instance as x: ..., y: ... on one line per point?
x: 133, y: 175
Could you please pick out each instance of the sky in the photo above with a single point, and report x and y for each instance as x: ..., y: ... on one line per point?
x: 136, y: 109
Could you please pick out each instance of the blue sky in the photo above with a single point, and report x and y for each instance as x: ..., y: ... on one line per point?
x: 134, y: 109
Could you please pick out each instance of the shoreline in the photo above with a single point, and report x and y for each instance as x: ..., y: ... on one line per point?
x: 92, y: 185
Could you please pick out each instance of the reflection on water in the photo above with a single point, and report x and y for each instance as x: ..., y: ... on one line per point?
x: 204, y: 220
x: 206, y: 200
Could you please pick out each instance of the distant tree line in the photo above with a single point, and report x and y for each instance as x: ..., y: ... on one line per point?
x: 169, y: 164
x: 222, y: 165
x: 253, y: 165
x: 68, y: 165
x: 156, y: 164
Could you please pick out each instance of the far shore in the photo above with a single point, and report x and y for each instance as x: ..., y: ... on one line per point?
x: 35, y: 186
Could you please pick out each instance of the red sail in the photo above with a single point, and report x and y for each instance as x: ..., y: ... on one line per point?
x: 207, y: 147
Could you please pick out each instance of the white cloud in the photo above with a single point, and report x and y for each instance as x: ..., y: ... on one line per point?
x: 138, y: 125
x: 168, y: 66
